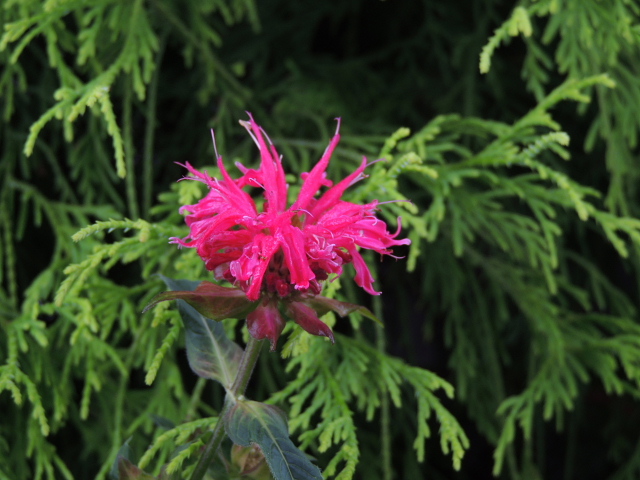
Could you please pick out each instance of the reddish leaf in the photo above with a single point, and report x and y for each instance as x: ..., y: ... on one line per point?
x: 211, y: 300
x: 323, y: 304
x: 307, y: 318
x: 250, y: 462
x: 128, y: 471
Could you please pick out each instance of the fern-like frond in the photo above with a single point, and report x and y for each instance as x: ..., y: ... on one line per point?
x: 359, y: 374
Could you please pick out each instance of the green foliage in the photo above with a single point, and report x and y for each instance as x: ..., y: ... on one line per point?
x: 115, y: 39
x: 249, y: 423
x: 592, y: 37
x: 507, y: 227
x: 165, y: 443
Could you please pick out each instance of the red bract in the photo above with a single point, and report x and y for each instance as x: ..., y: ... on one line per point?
x: 279, y: 254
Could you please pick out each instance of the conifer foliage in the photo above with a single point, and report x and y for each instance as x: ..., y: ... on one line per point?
x: 507, y: 137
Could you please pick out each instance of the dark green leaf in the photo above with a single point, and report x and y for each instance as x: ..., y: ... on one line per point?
x: 210, y: 352
x: 163, y: 422
x: 124, y: 452
x: 249, y: 422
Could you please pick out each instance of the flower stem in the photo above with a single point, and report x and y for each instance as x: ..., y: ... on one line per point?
x: 247, y: 363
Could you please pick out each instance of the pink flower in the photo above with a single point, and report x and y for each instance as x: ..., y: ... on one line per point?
x: 283, y: 254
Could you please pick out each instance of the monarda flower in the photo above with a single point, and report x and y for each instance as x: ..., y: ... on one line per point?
x: 279, y: 255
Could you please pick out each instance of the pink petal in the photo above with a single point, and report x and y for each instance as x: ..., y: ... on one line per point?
x: 316, y: 178
x: 237, y: 198
x: 253, y: 263
x: 363, y: 276
x: 273, y: 177
x: 332, y: 196
x: 295, y: 255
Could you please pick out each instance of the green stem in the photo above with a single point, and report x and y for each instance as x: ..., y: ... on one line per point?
x: 385, y: 417
x: 10, y: 257
x: 195, y: 399
x: 130, y: 179
x: 247, y: 363
x: 147, y: 155
x: 212, y: 447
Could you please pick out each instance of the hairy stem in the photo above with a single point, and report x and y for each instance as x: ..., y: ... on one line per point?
x: 247, y: 363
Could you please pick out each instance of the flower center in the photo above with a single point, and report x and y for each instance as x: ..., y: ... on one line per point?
x: 277, y: 278
x: 298, y: 219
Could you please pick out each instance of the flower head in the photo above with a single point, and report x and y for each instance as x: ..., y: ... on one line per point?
x: 280, y: 253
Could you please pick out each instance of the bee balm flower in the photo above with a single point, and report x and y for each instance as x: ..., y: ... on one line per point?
x: 280, y: 254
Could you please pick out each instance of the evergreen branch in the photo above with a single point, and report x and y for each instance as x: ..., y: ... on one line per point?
x: 110, y: 225
x: 9, y: 256
x: 176, y: 462
x: 11, y: 375
x: 138, y: 46
x: 571, y: 89
x: 519, y: 22
x: 175, y: 436
x: 203, y: 45
x: 327, y: 390
x: 586, y: 352
x: 167, y: 343
x: 127, y: 250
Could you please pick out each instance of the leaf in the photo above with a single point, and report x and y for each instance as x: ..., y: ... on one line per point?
x: 250, y: 462
x: 307, y: 318
x: 124, y: 469
x: 128, y: 471
x: 249, y: 422
x: 211, y: 300
x: 123, y: 453
x: 323, y: 304
x: 163, y: 422
x: 210, y: 352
